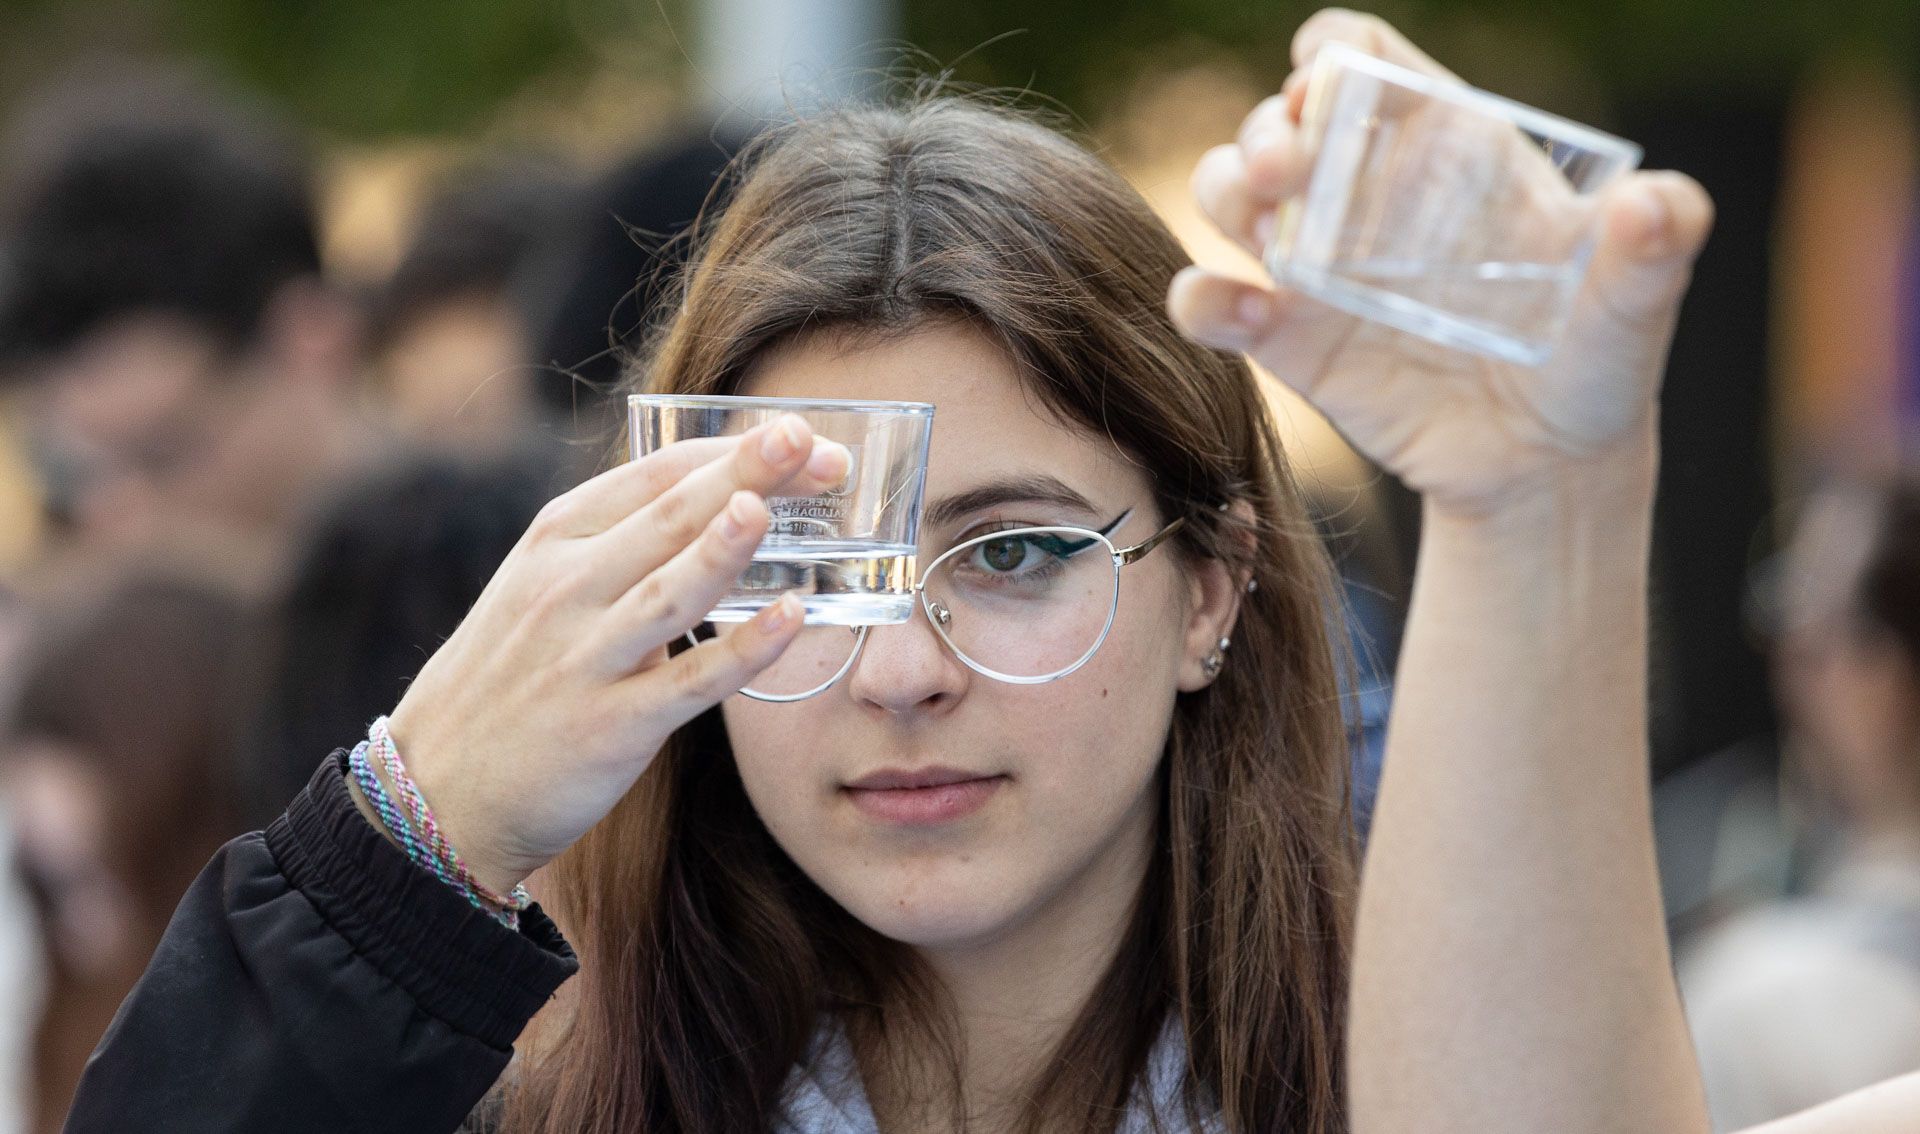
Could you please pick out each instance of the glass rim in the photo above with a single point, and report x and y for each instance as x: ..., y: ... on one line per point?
x: 1531, y: 118
x: 749, y: 401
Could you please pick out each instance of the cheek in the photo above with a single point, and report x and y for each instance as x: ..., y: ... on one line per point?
x: 1095, y: 741
x: 770, y: 745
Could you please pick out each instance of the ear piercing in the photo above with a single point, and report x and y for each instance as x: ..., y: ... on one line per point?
x: 1214, y: 662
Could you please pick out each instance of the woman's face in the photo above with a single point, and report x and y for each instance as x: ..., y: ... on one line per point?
x: 1056, y: 817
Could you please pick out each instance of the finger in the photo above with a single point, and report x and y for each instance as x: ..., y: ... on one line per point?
x: 1220, y: 187
x: 698, y: 679
x: 1293, y: 93
x: 1274, y: 159
x: 783, y: 460
x: 1365, y: 31
x: 1653, y: 226
x: 676, y: 596
x: 1288, y: 333
x: 603, y: 501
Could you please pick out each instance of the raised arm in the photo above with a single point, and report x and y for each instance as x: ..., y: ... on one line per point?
x: 1511, y: 970
x: 318, y: 978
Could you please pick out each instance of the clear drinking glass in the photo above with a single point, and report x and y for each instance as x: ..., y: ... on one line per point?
x: 1455, y: 214
x: 848, y: 552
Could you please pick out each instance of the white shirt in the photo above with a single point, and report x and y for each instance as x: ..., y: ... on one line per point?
x: 825, y: 1095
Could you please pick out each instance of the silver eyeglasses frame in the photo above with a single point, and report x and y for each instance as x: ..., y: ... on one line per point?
x: 939, y: 617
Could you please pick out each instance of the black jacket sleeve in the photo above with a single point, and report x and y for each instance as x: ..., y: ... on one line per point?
x: 315, y: 979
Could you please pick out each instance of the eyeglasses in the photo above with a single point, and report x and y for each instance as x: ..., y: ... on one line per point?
x: 1023, y: 605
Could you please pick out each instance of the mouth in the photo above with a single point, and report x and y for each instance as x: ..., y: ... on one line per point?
x: 922, y: 796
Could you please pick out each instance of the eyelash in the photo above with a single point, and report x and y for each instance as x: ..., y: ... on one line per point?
x: 991, y: 526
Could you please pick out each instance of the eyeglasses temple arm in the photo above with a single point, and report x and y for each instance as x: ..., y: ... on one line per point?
x: 1127, y: 555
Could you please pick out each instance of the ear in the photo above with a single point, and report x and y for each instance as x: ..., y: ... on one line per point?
x: 1214, y: 591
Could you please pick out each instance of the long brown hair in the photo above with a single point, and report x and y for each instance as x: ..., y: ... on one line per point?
x: 707, y: 957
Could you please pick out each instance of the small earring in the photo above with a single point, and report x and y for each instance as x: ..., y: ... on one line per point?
x: 1253, y: 585
x: 1222, y: 647
x: 1212, y: 664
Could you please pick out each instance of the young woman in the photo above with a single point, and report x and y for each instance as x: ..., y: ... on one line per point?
x: 1511, y: 968
x: 924, y: 899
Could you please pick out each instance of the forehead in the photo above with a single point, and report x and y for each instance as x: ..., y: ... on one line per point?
x: 987, y: 423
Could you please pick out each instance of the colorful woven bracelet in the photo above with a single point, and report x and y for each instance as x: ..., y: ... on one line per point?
x: 439, y: 850
x: 390, y: 815
x: 376, y: 793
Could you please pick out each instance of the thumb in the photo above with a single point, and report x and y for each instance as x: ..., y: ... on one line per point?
x: 1653, y: 225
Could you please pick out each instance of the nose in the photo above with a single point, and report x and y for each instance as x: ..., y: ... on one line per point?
x: 907, y: 668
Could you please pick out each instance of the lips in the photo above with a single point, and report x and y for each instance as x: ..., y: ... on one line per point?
x: 922, y: 796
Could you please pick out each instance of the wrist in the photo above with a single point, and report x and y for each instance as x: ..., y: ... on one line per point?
x: 1606, y: 495
x: 449, y: 806
x: 397, y: 798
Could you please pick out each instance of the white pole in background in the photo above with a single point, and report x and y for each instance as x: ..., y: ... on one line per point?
x: 758, y: 58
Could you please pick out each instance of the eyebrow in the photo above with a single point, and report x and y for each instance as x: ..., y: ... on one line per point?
x: 1036, y: 489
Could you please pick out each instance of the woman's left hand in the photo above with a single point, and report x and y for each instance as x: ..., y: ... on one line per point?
x: 1470, y: 433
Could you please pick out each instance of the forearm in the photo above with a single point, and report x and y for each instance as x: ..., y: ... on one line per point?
x: 1511, y: 969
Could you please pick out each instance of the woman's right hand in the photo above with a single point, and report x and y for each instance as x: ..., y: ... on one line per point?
x: 556, y: 691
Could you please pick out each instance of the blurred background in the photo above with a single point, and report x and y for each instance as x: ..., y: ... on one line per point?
x: 305, y: 307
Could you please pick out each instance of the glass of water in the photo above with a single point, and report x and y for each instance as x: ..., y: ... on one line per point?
x: 1446, y: 211
x: 848, y: 552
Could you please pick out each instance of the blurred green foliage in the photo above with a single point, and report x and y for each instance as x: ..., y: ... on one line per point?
x: 349, y: 68
x: 370, y: 68
x: 379, y: 66
x: 1083, y: 52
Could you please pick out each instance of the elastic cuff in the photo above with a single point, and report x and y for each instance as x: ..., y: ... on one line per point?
x: 458, y: 963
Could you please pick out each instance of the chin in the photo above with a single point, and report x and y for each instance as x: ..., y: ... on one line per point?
x: 933, y: 913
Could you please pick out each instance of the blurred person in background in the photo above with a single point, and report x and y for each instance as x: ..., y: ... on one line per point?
x: 187, y: 370
x: 451, y: 341
x: 114, y: 778
x: 595, y: 295
x: 385, y: 574
x: 1806, y: 999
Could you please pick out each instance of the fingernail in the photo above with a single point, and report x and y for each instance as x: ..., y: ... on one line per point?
x: 1656, y: 221
x: 782, y: 441
x: 830, y: 460
x: 739, y: 513
x: 778, y: 616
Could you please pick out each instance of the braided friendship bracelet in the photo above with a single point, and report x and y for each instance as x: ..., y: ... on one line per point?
x: 437, y: 854
x: 376, y: 792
